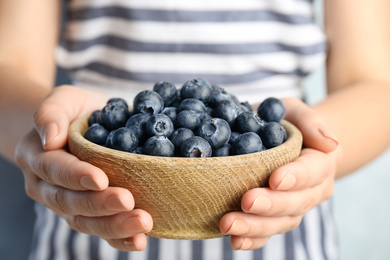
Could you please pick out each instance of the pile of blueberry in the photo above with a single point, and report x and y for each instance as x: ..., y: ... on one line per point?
x: 197, y: 120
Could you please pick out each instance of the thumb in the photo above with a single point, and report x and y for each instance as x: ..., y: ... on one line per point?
x: 59, y: 109
x: 315, y: 134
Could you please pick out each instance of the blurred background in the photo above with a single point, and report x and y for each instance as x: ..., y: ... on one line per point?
x: 360, y: 200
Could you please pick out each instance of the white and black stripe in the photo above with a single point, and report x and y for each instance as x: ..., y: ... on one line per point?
x: 256, y: 47
x: 313, y: 239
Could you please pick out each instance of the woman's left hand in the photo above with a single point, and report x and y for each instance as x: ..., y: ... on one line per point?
x: 294, y: 188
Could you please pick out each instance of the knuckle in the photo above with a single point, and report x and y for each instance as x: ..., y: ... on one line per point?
x: 76, y: 223
x: 106, y: 230
x: 64, y: 174
x: 57, y: 199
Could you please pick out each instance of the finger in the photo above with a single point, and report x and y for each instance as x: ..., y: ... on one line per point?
x: 311, y: 168
x: 253, y: 226
x: 267, y: 202
x: 62, y: 106
x: 246, y: 243
x: 58, y: 167
x: 118, y: 226
x: 310, y: 123
x: 85, y: 203
x: 137, y: 242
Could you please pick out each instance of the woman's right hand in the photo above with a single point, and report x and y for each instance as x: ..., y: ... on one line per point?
x: 73, y: 189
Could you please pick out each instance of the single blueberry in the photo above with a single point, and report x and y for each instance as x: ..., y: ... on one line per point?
x: 193, y: 105
x: 216, y: 131
x: 228, y: 110
x: 273, y: 134
x: 247, y: 143
x: 113, y: 116
x: 179, y: 136
x: 159, y: 146
x: 122, y: 139
x: 217, y: 95
x: 137, y: 123
x: 148, y: 102
x: 96, y: 134
x: 224, y: 151
x: 167, y: 91
x: 249, y: 122
x: 271, y: 110
x: 119, y: 101
x: 93, y: 118
x: 195, y: 147
x: 188, y: 119
x: 196, y: 88
x: 159, y: 124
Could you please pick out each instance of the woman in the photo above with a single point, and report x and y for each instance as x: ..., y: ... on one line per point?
x: 252, y: 48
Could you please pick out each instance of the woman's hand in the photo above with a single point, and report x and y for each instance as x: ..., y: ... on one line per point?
x: 76, y: 190
x: 294, y: 188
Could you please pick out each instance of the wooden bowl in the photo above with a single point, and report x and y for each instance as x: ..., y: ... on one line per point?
x: 186, y: 197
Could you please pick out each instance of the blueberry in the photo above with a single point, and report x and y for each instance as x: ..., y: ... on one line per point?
x: 193, y: 105
x: 271, y: 110
x: 123, y: 139
x: 217, y: 95
x: 93, y: 117
x: 167, y: 91
x: 188, y: 119
x: 216, y: 131
x: 195, y: 147
x: 249, y: 122
x: 179, y: 136
x: 96, y: 134
x: 159, y: 146
x: 228, y: 110
x: 159, y: 124
x: 137, y: 123
x: 113, y: 116
x: 224, y: 151
x: 148, y: 102
x: 247, y: 143
x: 119, y: 101
x: 171, y: 112
x: 196, y: 88
x: 273, y: 134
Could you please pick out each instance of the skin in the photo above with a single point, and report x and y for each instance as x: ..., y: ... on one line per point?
x: 35, y: 119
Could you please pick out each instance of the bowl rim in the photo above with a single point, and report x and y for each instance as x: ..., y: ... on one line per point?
x: 78, y: 127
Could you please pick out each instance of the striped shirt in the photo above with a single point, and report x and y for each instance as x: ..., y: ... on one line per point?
x: 252, y: 48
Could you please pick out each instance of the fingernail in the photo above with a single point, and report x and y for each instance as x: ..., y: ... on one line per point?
x: 329, y: 135
x: 114, y: 204
x: 246, y: 244
x: 287, y: 183
x: 49, y: 134
x: 133, y: 225
x: 88, y: 183
x: 261, y: 204
x: 129, y: 243
x: 238, y: 227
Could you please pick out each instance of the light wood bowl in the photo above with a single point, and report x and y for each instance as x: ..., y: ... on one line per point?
x: 186, y: 197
